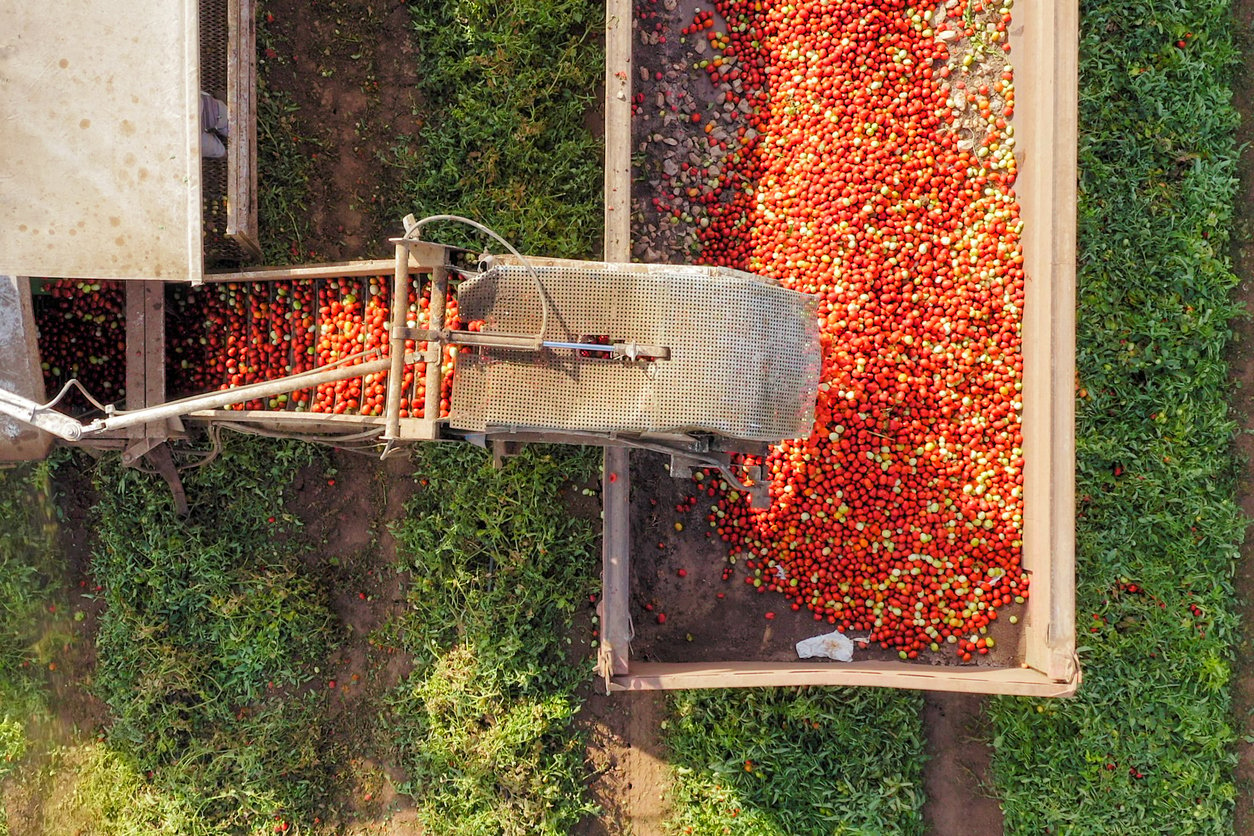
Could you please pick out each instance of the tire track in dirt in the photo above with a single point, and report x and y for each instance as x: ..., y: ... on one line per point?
x: 956, y: 778
x: 1241, y: 374
x: 626, y: 755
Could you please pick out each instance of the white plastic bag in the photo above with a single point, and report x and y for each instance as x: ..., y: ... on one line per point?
x: 836, y: 646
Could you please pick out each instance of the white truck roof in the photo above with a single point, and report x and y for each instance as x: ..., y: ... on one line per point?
x: 100, y: 171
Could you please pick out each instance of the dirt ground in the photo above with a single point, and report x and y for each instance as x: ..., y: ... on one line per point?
x: 957, y: 777
x: 67, y: 649
x: 355, y: 555
x: 628, y: 762
x: 1242, y: 374
x: 349, y: 67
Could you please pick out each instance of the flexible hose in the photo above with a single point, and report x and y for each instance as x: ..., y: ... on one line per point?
x: 544, y: 300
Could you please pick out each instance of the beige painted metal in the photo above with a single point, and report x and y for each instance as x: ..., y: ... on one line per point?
x: 1044, y: 37
x: 618, y: 17
x: 100, y: 167
x: 19, y: 370
x: 743, y: 354
x: 368, y: 267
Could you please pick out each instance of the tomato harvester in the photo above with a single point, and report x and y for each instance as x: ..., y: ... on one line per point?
x: 698, y: 363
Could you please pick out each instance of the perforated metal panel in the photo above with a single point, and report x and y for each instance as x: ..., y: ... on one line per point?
x: 213, y: 49
x: 744, y: 358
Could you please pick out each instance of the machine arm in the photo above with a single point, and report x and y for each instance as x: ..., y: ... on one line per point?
x: 45, y: 418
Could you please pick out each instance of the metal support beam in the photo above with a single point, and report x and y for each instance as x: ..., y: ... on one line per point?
x: 435, y: 365
x: 396, y: 371
x: 616, y: 633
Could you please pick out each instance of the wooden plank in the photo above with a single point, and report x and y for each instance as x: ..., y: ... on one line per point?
x: 1045, y: 40
x: 618, y: 130
x: 241, y: 107
x: 136, y: 339
x: 291, y: 420
x: 435, y: 370
x: 145, y: 364
x: 396, y: 341
x: 154, y: 343
x: 652, y: 676
x: 616, y: 631
x: 1062, y: 660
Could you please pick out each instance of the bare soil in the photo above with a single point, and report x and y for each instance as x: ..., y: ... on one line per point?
x: 76, y: 710
x: 957, y: 780
x: 629, y: 764
x: 346, y: 515
x: 1242, y: 377
x: 66, y: 648
x: 350, y: 68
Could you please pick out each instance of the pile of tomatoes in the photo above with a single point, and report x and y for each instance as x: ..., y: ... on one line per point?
x: 82, y: 335
x: 220, y: 336
x: 234, y: 334
x: 901, y: 514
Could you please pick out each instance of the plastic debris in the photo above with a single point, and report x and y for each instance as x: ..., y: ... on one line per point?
x: 836, y: 646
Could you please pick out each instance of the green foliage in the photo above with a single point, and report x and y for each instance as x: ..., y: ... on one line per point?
x: 785, y: 761
x: 484, y: 723
x: 207, y: 621
x: 27, y: 553
x: 1155, y: 469
x: 509, y: 87
x: 13, y: 744
x: 92, y: 788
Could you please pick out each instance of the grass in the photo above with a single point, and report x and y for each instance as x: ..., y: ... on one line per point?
x: 499, y: 573
x: 27, y: 587
x: 210, y: 629
x: 787, y: 760
x: 505, y: 143
x: 283, y: 188
x: 1146, y: 745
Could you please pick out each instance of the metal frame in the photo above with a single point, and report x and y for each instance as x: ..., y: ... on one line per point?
x: 142, y: 429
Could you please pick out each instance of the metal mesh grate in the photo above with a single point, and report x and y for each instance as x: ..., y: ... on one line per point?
x: 744, y: 353
x: 213, y: 173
